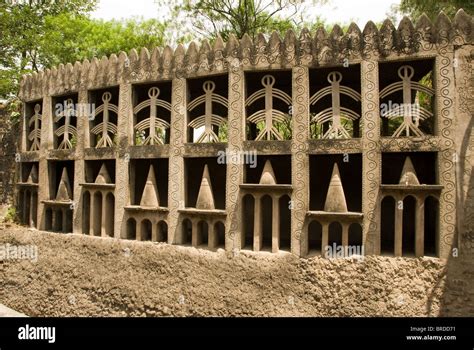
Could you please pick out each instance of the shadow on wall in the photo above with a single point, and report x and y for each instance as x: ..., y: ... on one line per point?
x: 457, y: 279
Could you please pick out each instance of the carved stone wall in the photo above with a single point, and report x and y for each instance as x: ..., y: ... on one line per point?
x: 306, y: 60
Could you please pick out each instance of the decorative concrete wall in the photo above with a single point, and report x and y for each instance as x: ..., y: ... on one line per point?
x: 129, y: 146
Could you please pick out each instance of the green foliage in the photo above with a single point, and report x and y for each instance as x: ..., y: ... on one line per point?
x: 414, y: 8
x: 222, y: 134
x: 211, y: 18
x: 39, y: 34
x: 80, y: 38
x: 21, y: 27
x: 14, y: 110
x: 11, y: 215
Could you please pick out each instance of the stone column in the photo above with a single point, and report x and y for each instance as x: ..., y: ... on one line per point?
x: 43, y: 173
x: 196, y: 236
x: 345, y: 235
x: 300, y: 160
x: 122, y: 161
x: 398, y: 223
x: 212, y: 239
x: 235, y: 172
x: 176, y: 182
x: 324, y: 238
x: 447, y: 158
x: 420, y: 226
x: 257, y: 224
x: 154, y: 232
x: 275, y: 224
x: 79, y: 162
x: 371, y: 156
x: 103, y: 223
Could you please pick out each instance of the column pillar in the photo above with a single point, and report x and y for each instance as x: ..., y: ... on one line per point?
x: 398, y: 239
x: 154, y: 232
x: 196, y: 236
x: 43, y: 171
x: 122, y: 161
x: 212, y: 238
x: 176, y: 178
x: 275, y: 224
x: 234, y: 233
x: 300, y: 160
x: 447, y: 157
x: 345, y: 235
x: 257, y: 224
x: 324, y: 238
x: 420, y: 226
x: 103, y: 224
x: 79, y: 162
x: 371, y: 156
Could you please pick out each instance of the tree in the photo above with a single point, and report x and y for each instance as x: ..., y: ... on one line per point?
x: 22, y: 25
x: 42, y: 33
x: 414, y: 8
x: 70, y: 38
x: 211, y: 18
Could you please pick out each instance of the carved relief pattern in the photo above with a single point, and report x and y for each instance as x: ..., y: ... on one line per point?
x: 371, y: 166
x: 235, y: 132
x: 445, y: 108
x: 300, y: 166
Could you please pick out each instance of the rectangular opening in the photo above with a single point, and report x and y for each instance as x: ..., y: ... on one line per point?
x: 107, y: 100
x: 350, y: 170
x: 140, y: 170
x: 216, y: 88
x: 407, y: 89
x: 194, y: 170
x: 146, y: 115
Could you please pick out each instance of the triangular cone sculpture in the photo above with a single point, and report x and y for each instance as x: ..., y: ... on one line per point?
x: 335, y: 199
x: 408, y: 176
x: 150, y: 192
x: 205, y: 199
x: 64, y: 190
x: 268, y: 176
x: 33, y: 177
x: 103, y: 177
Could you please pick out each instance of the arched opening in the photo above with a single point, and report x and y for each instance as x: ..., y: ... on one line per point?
x: 334, y: 239
x: 387, y: 225
x: 219, y: 232
x: 97, y: 214
x: 285, y: 223
x: 131, y: 229
x: 109, y: 214
x: 34, y: 209
x: 58, y: 220
x: 145, y: 228
x: 162, y: 232
x: 431, y: 226
x: 355, y: 240
x: 409, y: 226
x: 315, y: 234
x: 86, y: 210
x: 186, y: 232
x: 266, y: 220
x: 48, y: 219
x: 248, y: 208
x: 202, y: 234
